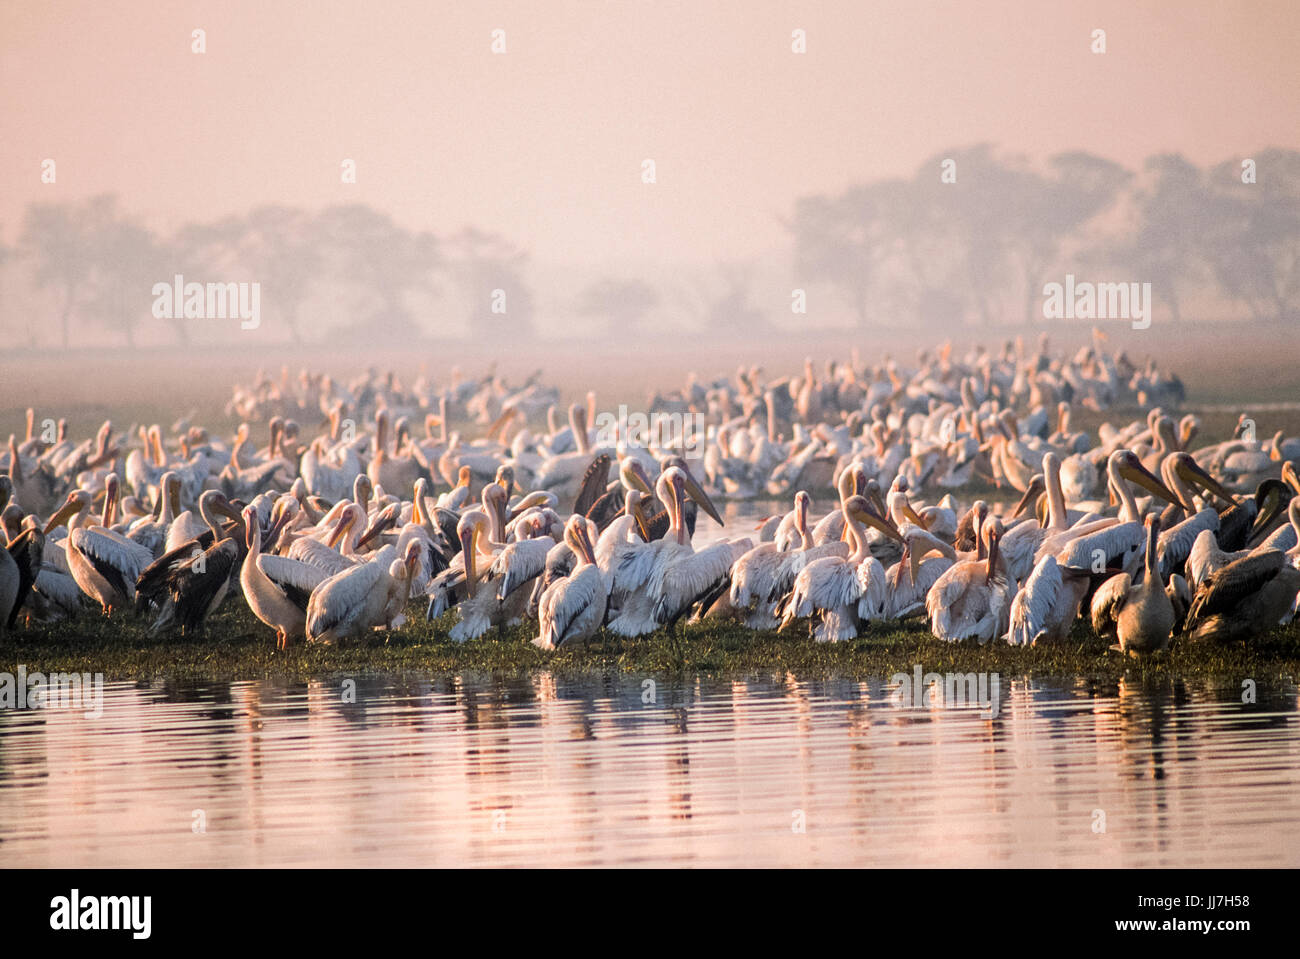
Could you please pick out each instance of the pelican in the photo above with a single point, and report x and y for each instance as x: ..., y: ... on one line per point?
x: 764, y: 576
x: 156, y: 581
x: 680, y: 576
x: 972, y: 599
x: 478, y: 532
x: 1140, y: 616
x: 910, y: 580
x: 834, y: 587
x: 277, y: 588
x: 1110, y: 543
x: 1243, y: 599
x: 572, y: 608
x: 105, y: 564
x: 367, y: 596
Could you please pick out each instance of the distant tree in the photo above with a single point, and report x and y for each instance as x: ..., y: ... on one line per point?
x: 1253, y: 243
x: 1055, y: 207
x: 1172, y: 211
x: 843, y: 240
x: 383, y: 261
x: 622, y: 304
x: 125, y: 258
x: 490, y: 272
x: 201, y: 253
x: 722, y: 301
x: 61, y: 239
x: 282, y: 248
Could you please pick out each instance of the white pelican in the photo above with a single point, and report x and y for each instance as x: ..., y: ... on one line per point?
x: 764, y: 576
x: 277, y: 588
x: 972, y: 599
x: 190, y: 582
x: 105, y: 564
x: 1140, y: 616
x: 680, y: 576
x: 833, y: 587
x: 1243, y: 599
x: 910, y: 580
x: 1110, y: 543
x: 364, y: 597
x: 572, y: 608
x: 480, y: 609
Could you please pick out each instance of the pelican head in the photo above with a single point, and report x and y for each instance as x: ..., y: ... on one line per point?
x: 505, y: 478
x: 1036, y: 488
x: 1192, y: 473
x: 1289, y: 476
x: 578, y: 536
x: 386, y: 520
x: 693, y: 488
x: 633, y: 505
x: 1126, y: 465
x: 860, y: 509
x: 633, y: 476
x: 77, y: 501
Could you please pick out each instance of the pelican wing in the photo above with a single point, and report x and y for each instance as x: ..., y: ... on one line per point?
x: 593, y: 484
x: 296, y: 579
x: 340, y: 596
x: 1107, y: 603
x: 1229, y: 586
x: 114, y: 557
x: 566, y: 602
x: 1175, y: 545
x: 1033, y: 606
x: 1115, y: 544
x: 315, y: 553
x: 689, y: 578
x: 873, y: 588
x: 519, y: 563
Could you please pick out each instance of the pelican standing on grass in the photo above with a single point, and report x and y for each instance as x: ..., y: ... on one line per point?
x: 572, y: 608
x: 1140, y: 616
x: 972, y: 599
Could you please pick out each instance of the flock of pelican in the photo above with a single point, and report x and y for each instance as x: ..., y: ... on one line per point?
x: 332, y: 536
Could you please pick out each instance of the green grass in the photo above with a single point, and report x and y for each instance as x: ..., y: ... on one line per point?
x: 236, y: 646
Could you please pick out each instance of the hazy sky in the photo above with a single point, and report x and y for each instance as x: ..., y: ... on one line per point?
x: 545, y: 142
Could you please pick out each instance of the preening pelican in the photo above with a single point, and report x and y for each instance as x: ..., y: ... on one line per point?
x: 572, y: 608
x: 365, y: 597
x: 1243, y: 599
x: 765, y: 575
x: 679, y: 576
x: 832, y: 588
x: 972, y: 600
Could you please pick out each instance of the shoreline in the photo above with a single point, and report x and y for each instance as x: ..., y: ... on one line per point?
x: 121, y: 649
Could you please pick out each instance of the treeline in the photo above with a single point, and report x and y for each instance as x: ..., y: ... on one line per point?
x: 975, y: 236
x: 971, y: 237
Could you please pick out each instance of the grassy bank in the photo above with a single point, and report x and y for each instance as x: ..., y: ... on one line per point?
x: 236, y: 646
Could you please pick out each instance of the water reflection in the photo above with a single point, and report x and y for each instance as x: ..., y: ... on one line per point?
x: 408, y: 769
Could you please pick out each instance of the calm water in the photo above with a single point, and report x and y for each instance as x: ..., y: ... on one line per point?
x: 545, y: 771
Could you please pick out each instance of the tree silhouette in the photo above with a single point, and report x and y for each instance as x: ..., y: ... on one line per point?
x: 60, y: 239
x: 490, y: 271
x: 1173, y: 211
x: 622, y: 303
x: 282, y: 248
x: 1254, y: 239
x: 385, y: 262
x: 124, y: 255
x: 843, y: 240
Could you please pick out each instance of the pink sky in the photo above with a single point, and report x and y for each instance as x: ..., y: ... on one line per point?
x: 545, y: 142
